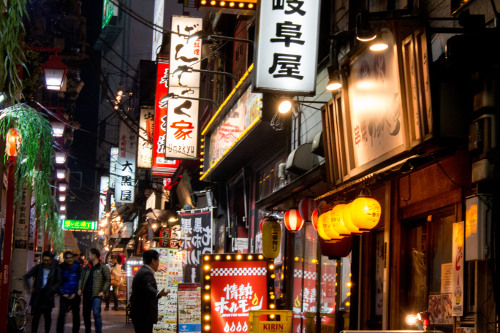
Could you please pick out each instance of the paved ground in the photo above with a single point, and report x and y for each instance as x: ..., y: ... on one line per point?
x: 112, y: 322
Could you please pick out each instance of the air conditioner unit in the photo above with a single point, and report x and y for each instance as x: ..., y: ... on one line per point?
x: 301, y: 159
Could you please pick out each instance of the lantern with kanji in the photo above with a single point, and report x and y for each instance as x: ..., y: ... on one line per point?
x: 337, y: 219
x: 306, y: 207
x: 348, y: 220
x: 365, y: 213
x: 325, y: 228
x: 293, y: 221
x: 271, y: 237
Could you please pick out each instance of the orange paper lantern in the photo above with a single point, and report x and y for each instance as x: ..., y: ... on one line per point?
x: 293, y: 221
x: 11, y: 142
x: 325, y: 228
x: 337, y: 218
x: 365, y: 213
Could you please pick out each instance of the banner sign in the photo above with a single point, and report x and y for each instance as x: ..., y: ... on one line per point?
x: 182, y: 122
x: 236, y: 284
x: 125, y: 181
x: 196, y: 240
x: 287, y: 46
x: 22, y: 220
x: 103, y: 190
x: 168, y: 277
x: 457, y: 258
x: 145, y: 146
x: 161, y: 166
x: 189, y: 314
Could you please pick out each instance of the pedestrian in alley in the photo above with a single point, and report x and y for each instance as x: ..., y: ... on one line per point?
x: 94, y: 282
x: 116, y: 279
x: 145, y: 295
x: 46, y: 282
x: 70, y: 271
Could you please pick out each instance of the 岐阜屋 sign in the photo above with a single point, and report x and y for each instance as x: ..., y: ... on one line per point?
x: 287, y: 46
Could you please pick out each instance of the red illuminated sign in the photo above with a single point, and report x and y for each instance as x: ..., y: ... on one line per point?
x: 161, y: 166
x: 237, y: 283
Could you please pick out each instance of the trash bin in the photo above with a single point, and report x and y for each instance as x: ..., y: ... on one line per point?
x: 270, y: 321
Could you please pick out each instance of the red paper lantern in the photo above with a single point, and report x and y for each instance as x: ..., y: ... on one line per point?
x: 293, y: 221
x: 306, y: 207
x: 314, y: 218
x: 12, y: 142
x: 262, y: 223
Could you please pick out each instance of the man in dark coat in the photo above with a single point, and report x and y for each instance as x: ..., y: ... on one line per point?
x: 145, y: 295
x: 46, y: 284
x: 70, y: 271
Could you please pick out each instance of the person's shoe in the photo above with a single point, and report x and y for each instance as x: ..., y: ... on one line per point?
x: 106, y: 308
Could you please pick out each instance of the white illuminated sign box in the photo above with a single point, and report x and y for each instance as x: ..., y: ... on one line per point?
x: 287, y: 46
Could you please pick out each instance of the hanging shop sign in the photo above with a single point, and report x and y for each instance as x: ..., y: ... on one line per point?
x: 189, y: 310
x: 457, y: 257
x: 234, y: 126
x: 103, y: 191
x: 108, y: 11
x: 234, y: 284
x: 161, y: 166
x: 125, y: 181
x: 113, y: 170
x: 182, y: 122
x: 145, y: 143
x: 196, y: 240
x: 158, y: 14
x: 376, y: 113
x: 287, y: 46
x: 79, y: 225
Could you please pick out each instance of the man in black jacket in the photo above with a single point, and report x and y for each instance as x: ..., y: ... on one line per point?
x: 145, y: 295
x: 45, y: 286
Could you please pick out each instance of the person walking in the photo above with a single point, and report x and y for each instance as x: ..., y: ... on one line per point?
x: 70, y: 271
x: 45, y: 285
x: 145, y: 295
x: 94, y: 281
x: 116, y: 279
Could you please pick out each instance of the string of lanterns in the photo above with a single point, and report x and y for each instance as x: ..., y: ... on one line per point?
x: 344, y: 219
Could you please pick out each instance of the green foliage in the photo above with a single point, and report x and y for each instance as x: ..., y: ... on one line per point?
x: 11, y: 46
x: 34, y: 163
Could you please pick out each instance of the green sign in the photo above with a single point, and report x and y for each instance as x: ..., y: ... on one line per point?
x: 79, y: 225
x: 107, y: 12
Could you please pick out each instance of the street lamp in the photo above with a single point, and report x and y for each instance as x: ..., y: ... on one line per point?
x: 55, y: 72
x: 285, y: 104
x: 186, y: 69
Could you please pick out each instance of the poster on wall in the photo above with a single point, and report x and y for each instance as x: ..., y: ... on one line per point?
x: 441, y: 309
x: 168, y: 277
x: 458, y: 269
x: 196, y: 240
x: 189, y: 310
x: 237, y: 284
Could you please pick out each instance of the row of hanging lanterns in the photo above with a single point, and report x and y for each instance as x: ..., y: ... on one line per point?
x: 358, y: 216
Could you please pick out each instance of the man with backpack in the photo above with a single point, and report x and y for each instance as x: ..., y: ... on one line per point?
x: 93, y: 284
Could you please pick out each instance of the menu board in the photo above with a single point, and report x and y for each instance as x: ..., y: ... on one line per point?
x: 168, y: 277
x: 189, y: 299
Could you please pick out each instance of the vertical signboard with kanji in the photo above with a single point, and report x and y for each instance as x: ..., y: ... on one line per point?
x: 287, y: 46
x: 103, y: 191
x: 125, y: 178
x: 196, y: 240
x: 145, y: 146
x: 22, y: 221
x: 182, y: 121
x: 458, y: 269
x: 161, y: 166
x: 233, y: 285
x: 113, y: 169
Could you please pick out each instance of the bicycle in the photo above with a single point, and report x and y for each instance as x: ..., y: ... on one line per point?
x: 17, y: 311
